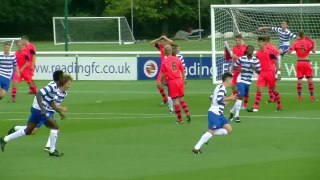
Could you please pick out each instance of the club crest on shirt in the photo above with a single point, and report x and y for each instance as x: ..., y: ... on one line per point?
x: 150, y: 68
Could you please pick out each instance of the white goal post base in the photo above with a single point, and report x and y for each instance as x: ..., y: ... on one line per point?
x: 92, y: 30
x: 229, y: 20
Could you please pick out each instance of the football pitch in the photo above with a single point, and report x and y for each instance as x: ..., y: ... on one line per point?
x: 118, y: 130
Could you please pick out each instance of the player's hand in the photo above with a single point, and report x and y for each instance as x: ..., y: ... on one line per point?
x: 279, y: 77
x: 64, y: 109
x: 233, y: 97
x: 62, y: 116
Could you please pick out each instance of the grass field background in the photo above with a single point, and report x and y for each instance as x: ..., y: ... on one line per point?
x: 117, y: 130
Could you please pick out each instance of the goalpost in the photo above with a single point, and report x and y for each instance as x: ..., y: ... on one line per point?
x: 93, y: 30
x: 229, y: 20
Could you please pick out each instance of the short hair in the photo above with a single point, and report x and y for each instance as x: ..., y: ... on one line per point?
x: 64, y: 79
x: 267, y: 38
x: 57, y: 75
x: 286, y: 20
x: 168, y: 50
x: 7, y: 44
x: 25, y: 37
x: 262, y: 38
x: 249, y: 47
x: 174, y: 48
x: 225, y: 76
x: 301, y: 34
x: 238, y: 36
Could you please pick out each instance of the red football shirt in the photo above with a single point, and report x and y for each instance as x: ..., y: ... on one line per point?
x: 239, y: 51
x: 22, y: 58
x: 264, y: 57
x: 172, y: 68
x: 31, y: 51
x: 160, y: 47
x: 273, y: 49
x: 302, y: 47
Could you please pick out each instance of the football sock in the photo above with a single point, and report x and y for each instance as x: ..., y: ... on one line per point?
x: 233, y: 110
x: 310, y: 83
x: 299, y: 88
x: 163, y: 94
x: 277, y: 95
x: 170, y: 103
x: 13, y: 92
x: 245, y: 100
x: 17, y: 128
x: 220, y: 132
x: 185, y: 107
x: 257, y: 100
x: 271, y: 94
x: 238, y: 107
x: 48, y: 142
x: 178, y: 112
x: 14, y: 135
x: 53, y: 139
x: 205, y: 138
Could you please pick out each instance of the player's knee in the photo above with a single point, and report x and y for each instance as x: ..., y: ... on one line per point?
x: 229, y: 130
x: 28, y: 132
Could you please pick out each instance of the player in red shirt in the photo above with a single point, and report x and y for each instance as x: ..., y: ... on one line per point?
x: 238, y: 50
x: 24, y: 71
x: 31, y: 51
x: 267, y: 74
x: 173, y: 73
x: 160, y: 46
x: 276, y: 52
x: 303, y: 46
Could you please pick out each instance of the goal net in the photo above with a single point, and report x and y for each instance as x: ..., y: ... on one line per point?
x: 229, y: 20
x: 12, y: 42
x: 92, y: 30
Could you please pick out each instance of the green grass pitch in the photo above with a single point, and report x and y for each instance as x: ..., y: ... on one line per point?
x: 117, y: 130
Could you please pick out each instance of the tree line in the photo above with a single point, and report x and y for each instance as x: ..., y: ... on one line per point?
x: 151, y: 17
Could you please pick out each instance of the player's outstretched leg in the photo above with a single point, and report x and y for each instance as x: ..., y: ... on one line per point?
x: 13, y: 92
x: 163, y: 94
x: 32, y: 87
x: 245, y: 101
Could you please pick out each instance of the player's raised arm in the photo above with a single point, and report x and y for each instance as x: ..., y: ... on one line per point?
x: 170, y: 41
x: 153, y: 42
x: 264, y: 28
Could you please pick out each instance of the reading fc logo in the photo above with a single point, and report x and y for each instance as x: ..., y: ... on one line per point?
x: 150, y: 69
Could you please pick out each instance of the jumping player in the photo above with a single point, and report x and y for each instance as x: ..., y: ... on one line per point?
x: 173, y: 73
x: 267, y: 74
x: 249, y: 64
x: 217, y: 123
x: 8, y: 65
x: 303, y: 46
x: 284, y: 35
x: 160, y: 46
x: 31, y: 52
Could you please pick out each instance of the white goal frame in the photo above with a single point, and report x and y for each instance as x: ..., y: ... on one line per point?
x: 213, y: 32
x: 120, y: 41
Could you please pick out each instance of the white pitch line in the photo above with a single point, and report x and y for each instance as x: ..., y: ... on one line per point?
x: 172, y: 115
x: 151, y: 92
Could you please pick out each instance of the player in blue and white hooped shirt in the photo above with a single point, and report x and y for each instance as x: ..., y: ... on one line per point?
x: 284, y: 35
x: 249, y: 65
x: 217, y: 123
x: 42, y: 111
x: 8, y: 65
x: 61, y: 95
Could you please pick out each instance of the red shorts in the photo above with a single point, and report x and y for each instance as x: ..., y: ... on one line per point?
x: 176, y: 88
x: 266, y: 78
x: 26, y: 75
x: 235, y: 76
x: 304, y: 69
